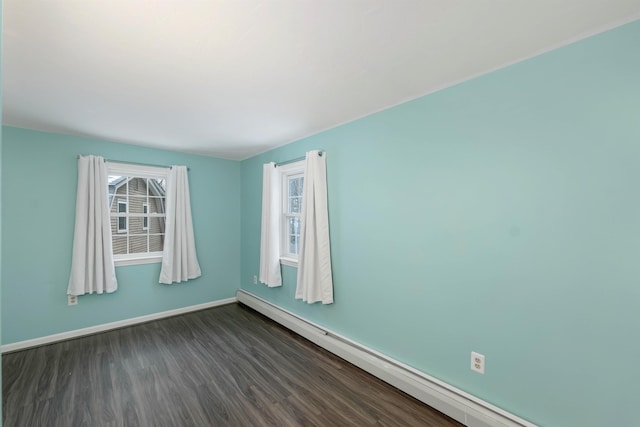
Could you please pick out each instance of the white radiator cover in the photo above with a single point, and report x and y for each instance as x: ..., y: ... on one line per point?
x: 459, y: 405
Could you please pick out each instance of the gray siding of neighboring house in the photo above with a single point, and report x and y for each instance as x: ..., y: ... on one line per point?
x: 138, y: 197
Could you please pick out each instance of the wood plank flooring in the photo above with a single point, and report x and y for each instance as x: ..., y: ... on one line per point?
x: 226, y: 366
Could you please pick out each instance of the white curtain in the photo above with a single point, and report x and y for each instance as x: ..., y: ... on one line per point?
x: 179, y: 260
x: 315, y: 282
x: 92, y: 268
x: 270, y: 232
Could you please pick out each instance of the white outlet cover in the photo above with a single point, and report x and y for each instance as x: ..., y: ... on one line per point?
x: 477, y: 362
x: 72, y: 300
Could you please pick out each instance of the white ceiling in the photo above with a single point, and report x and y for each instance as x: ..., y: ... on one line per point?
x: 233, y: 78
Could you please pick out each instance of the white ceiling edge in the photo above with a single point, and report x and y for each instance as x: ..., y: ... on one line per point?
x: 574, y: 39
x: 100, y: 138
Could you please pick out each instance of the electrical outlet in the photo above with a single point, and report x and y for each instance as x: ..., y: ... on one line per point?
x: 477, y: 362
x: 72, y: 299
x: 255, y: 280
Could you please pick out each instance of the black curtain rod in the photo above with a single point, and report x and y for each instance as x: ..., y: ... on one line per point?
x: 286, y: 162
x: 137, y: 163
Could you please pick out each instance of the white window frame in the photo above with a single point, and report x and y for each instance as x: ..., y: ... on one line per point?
x: 125, y: 217
x: 137, y: 171
x: 288, y: 171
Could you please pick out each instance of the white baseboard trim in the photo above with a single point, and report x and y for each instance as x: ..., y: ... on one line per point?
x: 459, y: 405
x: 63, y: 336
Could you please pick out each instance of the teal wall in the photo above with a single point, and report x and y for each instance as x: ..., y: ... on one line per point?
x: 502, y: 216
x: 39, y: 176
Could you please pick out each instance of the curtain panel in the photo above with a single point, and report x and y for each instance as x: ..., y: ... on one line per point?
x: 315, y: 281
x: 92, y: 267
x: 179, y: 259
x: 270, y: 232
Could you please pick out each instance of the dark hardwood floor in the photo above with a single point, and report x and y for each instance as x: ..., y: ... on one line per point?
x: 226, y: 366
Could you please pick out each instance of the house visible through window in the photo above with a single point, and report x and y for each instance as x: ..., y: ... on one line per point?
x: 292, y: 183
x: 137, y: 200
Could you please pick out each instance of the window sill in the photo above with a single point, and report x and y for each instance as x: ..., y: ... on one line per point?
x: 291, y: 262
x: 137, y: 261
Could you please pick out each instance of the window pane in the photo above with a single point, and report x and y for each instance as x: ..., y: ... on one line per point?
x: 114, y: 225
x: 122, y: 223
x: 295, y: 186
x: 292, y: 187
x: 119, y: 245
x: 119, y: 186
x: 156, y: 243
x: 295, y: 204
x: 294, y: 244
x: 137, y: 186
x: 157, y: 204
x: 294, y: 225
x: 136, y: 225
x: 294, y: 235
x: 136, y: 204
x: 157, y: 187
x: 156, y: 225
x: 122, y: 205
x: 145, y: 219
x: 138, y: 244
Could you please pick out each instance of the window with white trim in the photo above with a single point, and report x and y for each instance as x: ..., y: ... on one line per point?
x: 122, y: 216
x: 292, y: 184
x: 137, y: 201
x: 145, y: 218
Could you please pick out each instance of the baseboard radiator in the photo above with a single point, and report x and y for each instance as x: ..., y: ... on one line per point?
x: 459, y: 405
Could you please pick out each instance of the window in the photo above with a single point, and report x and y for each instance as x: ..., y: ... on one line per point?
x: 145, y: 218
x: 292, y: 184
x: 137, y: 200
x: 122, y: 216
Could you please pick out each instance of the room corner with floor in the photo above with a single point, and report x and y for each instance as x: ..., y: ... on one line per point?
x: 483, y: 221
